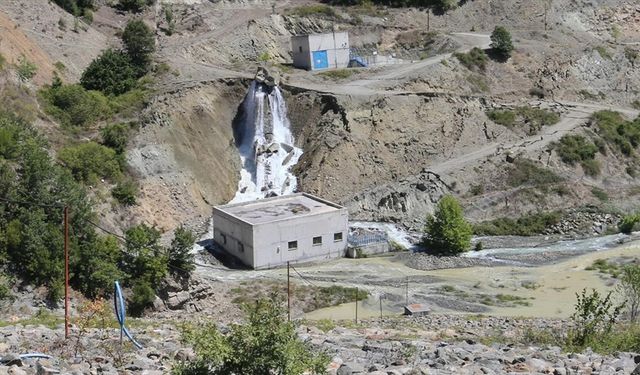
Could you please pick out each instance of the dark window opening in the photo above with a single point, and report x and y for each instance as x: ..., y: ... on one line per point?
x: 317, y: 240
x: 300, y: 47
x: 240, y: 247
x: 292, y: 245
x: 337, y: 236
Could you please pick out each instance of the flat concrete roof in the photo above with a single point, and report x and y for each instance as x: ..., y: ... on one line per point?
x: 277, y: 208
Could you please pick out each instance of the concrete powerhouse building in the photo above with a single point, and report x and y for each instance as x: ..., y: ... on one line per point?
x: 320, y: 51
x: 269, y: 232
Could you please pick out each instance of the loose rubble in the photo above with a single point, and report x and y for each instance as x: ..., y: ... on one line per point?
x: 435, y: 344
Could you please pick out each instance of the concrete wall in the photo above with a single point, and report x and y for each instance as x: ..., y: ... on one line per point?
x: 337, y: 51
x: 301, y: 52
x: 230, y: 232
x: 271, y: 239
x: 369, y: 249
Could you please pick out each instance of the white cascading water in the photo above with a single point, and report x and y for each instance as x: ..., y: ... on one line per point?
x: 266, y: 145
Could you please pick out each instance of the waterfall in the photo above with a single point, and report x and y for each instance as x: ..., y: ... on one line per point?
x: 266, y: 145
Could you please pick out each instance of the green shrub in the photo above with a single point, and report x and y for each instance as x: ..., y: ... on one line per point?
x: 72, y: 105
x: 447, y: 231
x: 130, y: 103
x: 475, y: 59
x: 533, y: 118
x: 528, y: 225
x: 145, y: 260
x: 142, y: 296
x: 600, y: 194
x: 75, y: 7
x: 111, y: 73
x: 116, y: 136
x: 594, y: 317
x: 502, y: 117
x: 478, y: 83
x: 528, y: 172
x: 574, y: 149
x: 5, y: 288
x: 629, y: 289
x: 26, y: 69
x: 125, y: 192
x: 603, y: 52
x: 635, y: 104
x: 96, y: 266
x: 628, y: 223
x: 181, y: 259
x: 134, y: 5
x: 272, y: 342
x: 89, y: 161
x: 622, y: 135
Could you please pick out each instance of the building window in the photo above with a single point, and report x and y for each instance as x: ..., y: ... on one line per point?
x: 300, y: 48
x: 317, y: 241
x: 240, y: 247
x: 224, y: 239
x: 292, y: 245
x: 337, y: 237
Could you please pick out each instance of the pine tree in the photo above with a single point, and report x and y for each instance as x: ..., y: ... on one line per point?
x: 447, y: 231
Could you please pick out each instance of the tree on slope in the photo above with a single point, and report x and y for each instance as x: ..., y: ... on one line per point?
x: 501, y: 42
x: 447, y: 232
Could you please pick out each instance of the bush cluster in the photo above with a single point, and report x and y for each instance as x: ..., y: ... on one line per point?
x: 475, y: 59
x: 134, y: 5
x: 76, y: 7
x: 116, y: 72
x: 266, y: 344
x: 74, y: 106
x: 533, y: 118
x: 35, y: 189
x: 90, y: 161
x: 621, y: 135
x: 574, y: 149
x: 528, y: 225
x: 528, y: 172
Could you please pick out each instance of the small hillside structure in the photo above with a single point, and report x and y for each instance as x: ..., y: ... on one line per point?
x: 270, y: 232
x: 321, y: 51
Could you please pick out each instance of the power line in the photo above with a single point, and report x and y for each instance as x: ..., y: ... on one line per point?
x: 304, y: 278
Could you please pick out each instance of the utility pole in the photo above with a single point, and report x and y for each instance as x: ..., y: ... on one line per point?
x: 288, y: 294
x: 356, y: 305
x: 66, y: 272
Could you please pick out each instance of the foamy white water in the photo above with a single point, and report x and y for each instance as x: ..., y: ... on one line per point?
x: 266, y: 146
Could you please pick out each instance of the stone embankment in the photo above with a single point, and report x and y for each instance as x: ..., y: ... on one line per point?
x: 436, y: 344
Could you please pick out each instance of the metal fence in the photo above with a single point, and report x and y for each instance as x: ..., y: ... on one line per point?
x: 366, y: 239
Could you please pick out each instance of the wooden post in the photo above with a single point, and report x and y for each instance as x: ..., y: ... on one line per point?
x: 288, y: 295
x: 356, y: 305
x: 428, y: 19
x: 407, y: 292
x: 381, y: 307
x: 66, y: 272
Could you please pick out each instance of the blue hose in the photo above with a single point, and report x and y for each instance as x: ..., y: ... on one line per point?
x: 118, y: 303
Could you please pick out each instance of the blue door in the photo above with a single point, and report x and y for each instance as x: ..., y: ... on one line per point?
x: 320, y: 60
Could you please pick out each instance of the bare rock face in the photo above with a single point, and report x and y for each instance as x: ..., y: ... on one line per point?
x: 263, y: 76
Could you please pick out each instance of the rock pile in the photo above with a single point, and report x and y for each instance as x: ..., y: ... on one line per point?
x: 581, y: 223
